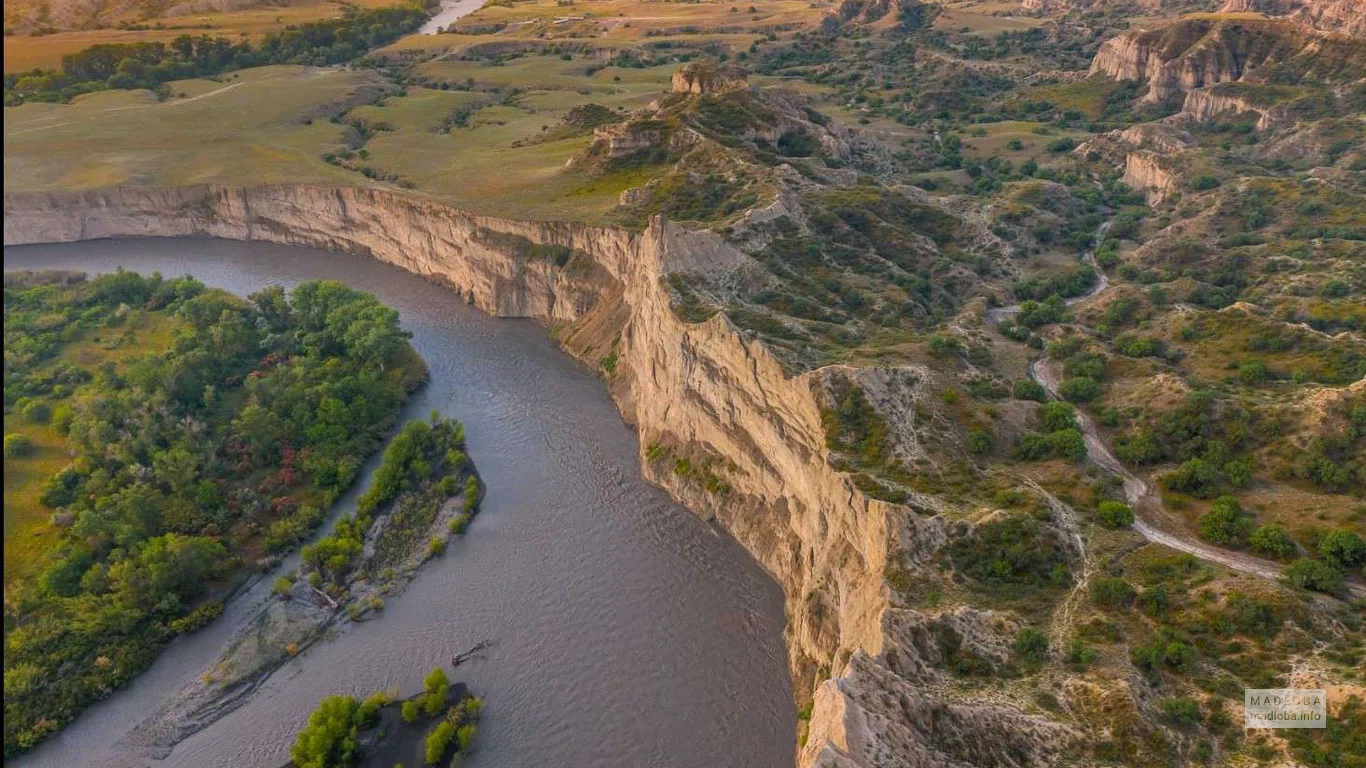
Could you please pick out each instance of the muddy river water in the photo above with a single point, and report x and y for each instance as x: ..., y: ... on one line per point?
x: 626, y: 631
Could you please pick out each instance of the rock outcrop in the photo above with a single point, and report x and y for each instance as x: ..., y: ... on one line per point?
x: 1344, y: 17
x: 702, y: 385
x: 701, y: 77
x: 1147, y: 172
x: 1178, y: 57
x: 1149, y: 154
x: 1204, y: 105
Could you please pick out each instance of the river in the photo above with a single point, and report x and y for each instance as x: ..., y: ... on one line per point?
x: 450, y: 11
x: 627, y: 631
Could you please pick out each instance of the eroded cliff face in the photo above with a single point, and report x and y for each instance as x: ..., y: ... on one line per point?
x: 866, y: 665
x: 1346, y: 17
x: 1179, y: 57
x: 1204, y: 105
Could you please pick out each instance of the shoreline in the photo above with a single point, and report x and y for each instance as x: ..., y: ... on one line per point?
x: 704, y: 387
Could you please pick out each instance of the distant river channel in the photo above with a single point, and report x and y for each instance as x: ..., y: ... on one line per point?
x: 627, y: 632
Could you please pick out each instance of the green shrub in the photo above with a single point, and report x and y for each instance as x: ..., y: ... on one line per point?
x: 1080, y: 389
x: 1111, y: 591
x: 1088, y: 364
x: 1139, y: 346
x: 1058, y: 415
x: 18, y: 446
x: 410, y: 710
x: 1079, y: 653
x: 282, y: 586
x: 1026, y: 389
x: 1181, y: 711
x: 37, y: 412
x: 437, y: 682
x: 1115, y: 514
x: 1031, y: 645
x: 979, y: 441
x: 1343, y: 549
x: 329, y: 739
x: 1316, y: 575
x: 1164, y: 651
x: 1067, y: 444
x: 1014, y: 549
x: 1253, y: 372
x: 459, y: 523
x: 1225, y: 523
x: 465, y: 736
x: 1271, y: 540
x: 368, y: 714
x: 1203, y: 183
x: 437, y: 742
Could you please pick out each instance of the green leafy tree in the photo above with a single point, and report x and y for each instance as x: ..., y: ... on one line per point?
x: 1316, y: 575
x: 1271, y: 540
x: 1115, y: 514
x: 1225, y: 523
x: 1343, y: 549
x: 329, y: 739
x: 438, y: 741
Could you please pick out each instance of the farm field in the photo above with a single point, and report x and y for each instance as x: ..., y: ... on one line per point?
x: 25, y: 51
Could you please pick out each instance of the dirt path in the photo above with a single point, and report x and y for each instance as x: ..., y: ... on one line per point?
x: 167, y: 103
x: 1061, y: 628
x: 1151, y: 519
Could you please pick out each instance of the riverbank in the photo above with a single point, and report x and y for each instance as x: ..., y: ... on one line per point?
x: 395, y: 545
x: 704, y: 387
x: 592, y: 584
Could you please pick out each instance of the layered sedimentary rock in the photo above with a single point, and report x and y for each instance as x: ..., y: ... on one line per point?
x: 1149, y: 154
x: 1205, y: 105
x: 866, y: 663
x: 1178, y: 57
x: 1345, y: 17
x: 701, y: 77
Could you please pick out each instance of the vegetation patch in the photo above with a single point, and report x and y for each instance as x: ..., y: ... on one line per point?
x: 182, y: 458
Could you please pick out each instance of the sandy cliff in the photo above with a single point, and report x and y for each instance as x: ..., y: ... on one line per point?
x: 867, y: 666
x: 1346, y: 17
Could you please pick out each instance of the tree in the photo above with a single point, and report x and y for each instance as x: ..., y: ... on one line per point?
x: 1343, y: 549
x: 1252, y: 372
x: 1271, y: 540
x: 1058, y: 415
x: 1031, y: 645
x: 410, y: 710
x: 329, y: 739
x: 1115, y: 514
x: 18, y: 446
x: 1026, y: 389
x: 1307, y: 573
x: 438, y: 741
x: 1225, y: 523
x: 1080, y: 389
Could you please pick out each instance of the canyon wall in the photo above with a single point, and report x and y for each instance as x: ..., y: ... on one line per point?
x: 865, y: 665
x: 1179, y: 57
x: 1344, y: 17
